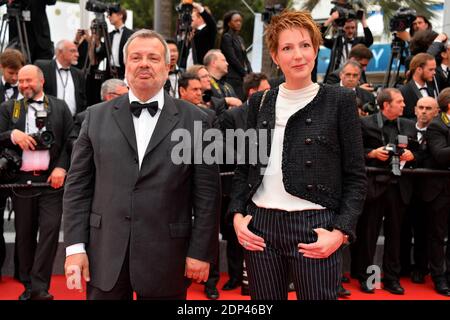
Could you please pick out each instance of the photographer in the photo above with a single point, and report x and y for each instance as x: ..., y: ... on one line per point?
x: 118, y: 37
x: 11, y: 60
x: 37, y: 127
x: 350, y: 76
x: 38, y: 30
x: 171, y: 85
x: 345, y: 43
x: 387, y: 194
x: 203, y: 37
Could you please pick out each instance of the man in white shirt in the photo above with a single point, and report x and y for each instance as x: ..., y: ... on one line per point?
x: 22, y: 126
x: 128, y: 209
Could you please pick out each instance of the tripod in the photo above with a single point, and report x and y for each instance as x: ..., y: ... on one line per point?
x: 336, y: 53
x: 183, y: 35
x: 391, y: 78
x: 99, y: 28
x: 15, y: 14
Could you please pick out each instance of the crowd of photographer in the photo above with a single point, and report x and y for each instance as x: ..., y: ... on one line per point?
x: 403, y: 126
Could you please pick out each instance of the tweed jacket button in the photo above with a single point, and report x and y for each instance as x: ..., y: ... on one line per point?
x: 250, y: 185
x: 308, y: 141
x: 308, y: 163
x: 127, y: 218
x: 309, y: 187
x: 308, y: 121
x: 264, y: 123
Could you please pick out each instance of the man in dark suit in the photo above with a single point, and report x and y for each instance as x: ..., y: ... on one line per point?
x: 38, y: 30
x: 345, y: 42
x: 387, y: 195
x: 203, y: 38
x: 437, y: 193
x: 117, y: 38
x: 422, y: 70
x: 62, y: 79
x: 148, y: 225
x: 440, y: 50
x: 171, y: 85
x: 11, y: 61
x: 350, y: 76
x: 361, y: 54
x: 37, y: 208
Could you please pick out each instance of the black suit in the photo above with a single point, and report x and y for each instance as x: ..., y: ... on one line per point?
x: 437, y: 192
x: 387, y: 197
x: 38, y: 30
x: 411, y: 94
x: 37, y: 208
x: 140, y: 221
x: 49, y: 68
x: 126, y: 33
x: 232, y: 46
x: 3, y: 92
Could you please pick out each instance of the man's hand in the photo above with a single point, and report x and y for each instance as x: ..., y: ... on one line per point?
x: 246, y: 238
x: 327, y: 243
x: 75, y: 266
x: 442, y: 37
x: 407, y: 156
x: 196, y: 270
x: 56, y: 178
x: 379, y: 154
x: 233, y: 102
x: 24, y: 141
x: 367, y: 87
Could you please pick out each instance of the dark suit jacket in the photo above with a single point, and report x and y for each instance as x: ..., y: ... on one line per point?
x: 112, y: 205
x: 411, y: 94
x: 365, y: 96
x: 102, y: 53
x: 438, y: 139
x: 2, y: 91
x: 372, y: 140
x: 232, y: 46
x: 61, y: 126
x: 49, y: 68
x: 204, y: 40
x: 323, y: 158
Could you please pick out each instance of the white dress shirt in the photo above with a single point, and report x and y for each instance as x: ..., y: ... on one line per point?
x: 66, y: 88
x: 143, y: 128
x: 115, y: 46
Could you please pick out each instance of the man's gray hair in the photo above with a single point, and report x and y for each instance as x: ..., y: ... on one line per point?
x: 110, y: 86
x: 60, y: 44
x: 147, y: 34
x: 351, y: 63
x: 211, y: 56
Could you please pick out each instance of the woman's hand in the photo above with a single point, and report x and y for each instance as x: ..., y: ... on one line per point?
x: 246, y: 238
x: 327, y: 243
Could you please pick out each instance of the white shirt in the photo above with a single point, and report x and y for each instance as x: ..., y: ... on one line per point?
x: 271, y: 193
x: 33, y: 160
x: 115, y: 46
x: 10, y: 92
x: 143, y: 128
x: 65, y: 88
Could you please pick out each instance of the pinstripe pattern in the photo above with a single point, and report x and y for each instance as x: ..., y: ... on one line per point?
x: 268, y: 271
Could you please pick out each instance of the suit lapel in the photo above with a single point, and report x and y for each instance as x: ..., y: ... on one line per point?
x: 166, y: 122
x: 415, y: 89
x: 124, y: 120
x: 52, y: 77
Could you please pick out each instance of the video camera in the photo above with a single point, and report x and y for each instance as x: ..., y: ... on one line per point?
x: 402, y: 19
x: 346, y: 12
x: 369, y: 107
x: 271, y: 11
x: 44, y: 138
x: 395, y: 152
x: 101, y: 7
x: 184, y: 10
x: 10, y: 163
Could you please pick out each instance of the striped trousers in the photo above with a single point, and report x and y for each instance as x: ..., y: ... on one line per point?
x: 270, y: 271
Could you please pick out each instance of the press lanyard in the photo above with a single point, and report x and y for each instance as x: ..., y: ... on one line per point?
x: 64, y: 84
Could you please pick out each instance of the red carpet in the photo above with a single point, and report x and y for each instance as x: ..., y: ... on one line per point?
x: 10, y: 289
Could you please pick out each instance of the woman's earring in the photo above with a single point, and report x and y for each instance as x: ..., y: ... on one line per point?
x: 278, y: 67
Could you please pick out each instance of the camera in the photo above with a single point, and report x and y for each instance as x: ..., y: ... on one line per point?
x: 184, y: 10
x: 395, y: 152
x: 10, y: 163
x: 369, y: 107
x: 44, y: 138
x: 271, y: 11
x: 101, y: 7
x: 346, y: 12
x: 207, y: 94
x: 402, y: 19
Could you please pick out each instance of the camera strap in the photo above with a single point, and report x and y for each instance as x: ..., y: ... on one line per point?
x: 381, y: 125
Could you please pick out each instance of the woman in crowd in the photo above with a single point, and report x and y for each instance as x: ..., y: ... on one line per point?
x: 294, y: 209
x: 232, y: 47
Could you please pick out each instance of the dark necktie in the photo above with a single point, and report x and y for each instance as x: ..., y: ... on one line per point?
x: 428, y: 90
x: 115, y: 31
x: 136, y: 108
x: 7, y: 86
x: 64, y: 69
